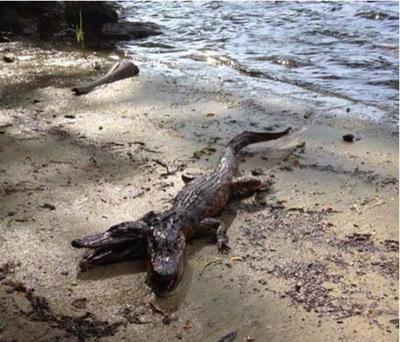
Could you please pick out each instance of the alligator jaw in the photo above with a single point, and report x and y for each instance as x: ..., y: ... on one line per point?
x: 104, y: 256
x: 101, y: 240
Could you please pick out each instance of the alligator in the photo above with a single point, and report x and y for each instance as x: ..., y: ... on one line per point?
x: 161, y: 237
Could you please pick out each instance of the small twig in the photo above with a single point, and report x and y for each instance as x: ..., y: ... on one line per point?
x: 216, y: 261
x: 157, y: 310
x: 60, y: 162
x: 141, y: 143
x: 164, y: 165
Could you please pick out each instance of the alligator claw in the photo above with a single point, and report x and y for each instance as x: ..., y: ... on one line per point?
x: 223, y: 247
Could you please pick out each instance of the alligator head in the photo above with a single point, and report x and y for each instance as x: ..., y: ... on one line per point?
x: 124, y: 241
x: 165, y: 255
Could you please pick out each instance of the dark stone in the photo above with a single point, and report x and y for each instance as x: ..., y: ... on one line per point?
x: 131, y: 30
x: 58, y: 20
x: 8, y: 59
x: 4, y: 38
x: 348, y: 137
x: 32, y: 18
x: 55, y: 18
x: 94, y: 14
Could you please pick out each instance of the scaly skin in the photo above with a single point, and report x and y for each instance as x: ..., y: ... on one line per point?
x: 194, y: 209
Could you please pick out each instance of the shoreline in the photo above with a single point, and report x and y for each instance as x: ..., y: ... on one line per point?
x: 333, y: 206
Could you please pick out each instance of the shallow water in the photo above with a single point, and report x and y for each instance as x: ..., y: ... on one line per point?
x: 307, y: 50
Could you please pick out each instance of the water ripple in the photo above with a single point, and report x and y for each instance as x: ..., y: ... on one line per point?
x: 346, y: 49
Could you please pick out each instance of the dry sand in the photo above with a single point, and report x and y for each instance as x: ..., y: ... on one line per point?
x: 317, y: 261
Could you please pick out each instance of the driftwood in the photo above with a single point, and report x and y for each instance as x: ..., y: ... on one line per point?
x: 119, y: 71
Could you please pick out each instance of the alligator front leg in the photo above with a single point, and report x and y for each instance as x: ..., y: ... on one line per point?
x: 223, y: 239
x: 211, y: 223
x: 247, y: 186
x: 188, y: 176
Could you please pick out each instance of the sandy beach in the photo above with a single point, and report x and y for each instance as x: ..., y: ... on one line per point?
x: 316, y: 259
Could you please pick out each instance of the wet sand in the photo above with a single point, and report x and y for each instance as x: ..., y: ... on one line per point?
x: 316, y: 259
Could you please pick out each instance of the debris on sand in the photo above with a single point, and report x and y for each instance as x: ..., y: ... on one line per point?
x: 82, y: 327
x: 229, y: 337
x: 308, y: 287
x: 217, y: 261
x: 6, y: 269
x: 391, y: 245
x: 348, y: 137
x: 135, y: 314
x: 360, y: 241
x: 48, y: 206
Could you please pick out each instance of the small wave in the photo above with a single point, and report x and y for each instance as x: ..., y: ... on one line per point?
x: 376, y: 15
x: 226, y: 61
x: 156, y: 45
x: 333, y: 33
x: 378, y: 63
x: 234, y: 64
x: 394, y: 84
x: 284, y: 61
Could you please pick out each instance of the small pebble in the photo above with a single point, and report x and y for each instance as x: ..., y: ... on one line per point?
x: 8, y: 59
x: 348, y: 137
x: 257, y: 172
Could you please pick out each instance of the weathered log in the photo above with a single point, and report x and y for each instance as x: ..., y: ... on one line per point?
x: 118, y: 72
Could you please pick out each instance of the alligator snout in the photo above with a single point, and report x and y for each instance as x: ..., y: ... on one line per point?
x: 165, y: 272
x: 163, y: 282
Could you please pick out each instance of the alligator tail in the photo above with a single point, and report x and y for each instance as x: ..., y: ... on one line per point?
x: 247, y: 137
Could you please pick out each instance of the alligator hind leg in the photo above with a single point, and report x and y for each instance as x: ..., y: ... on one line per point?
x: 212, y: 223
x: 247, y: 186
x: 207, y: 226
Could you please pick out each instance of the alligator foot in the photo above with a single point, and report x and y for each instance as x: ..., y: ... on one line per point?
x: 212, y: 223
x: 223, y: 246
x: 247, y: 186
x: 223, y: 239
